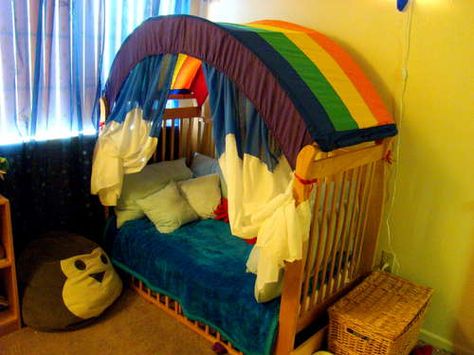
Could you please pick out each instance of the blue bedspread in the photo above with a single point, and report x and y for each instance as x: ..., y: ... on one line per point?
x: 203, y: 267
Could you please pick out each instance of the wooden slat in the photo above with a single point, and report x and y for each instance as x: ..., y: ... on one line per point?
x: 180, y: 138
x: 182, y: 112
x: 324, y: 231
x: 317, y: 265
x: 180, y: 96
x: 358, y: 215
x: 172, y: 139
x: 189, y: 147
x: 310, y: 259
x: 362, y: 221
x: 209, y: 142
x: 344, y: 257
x: 337, y: 164
x: 338, y: 234
x: 199, y: 135
x: 163, y: 141
x: 333, y: 233
x: 352, y: 216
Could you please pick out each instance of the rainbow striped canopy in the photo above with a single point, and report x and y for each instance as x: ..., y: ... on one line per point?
x: 303, y: 84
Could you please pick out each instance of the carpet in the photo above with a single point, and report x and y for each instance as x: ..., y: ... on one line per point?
x: 130, y: 326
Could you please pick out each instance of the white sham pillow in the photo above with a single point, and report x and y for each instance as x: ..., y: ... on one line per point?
x: 167, y: 209
x: 204, y: 165
x: 203, y: 194
x: 151, y: 179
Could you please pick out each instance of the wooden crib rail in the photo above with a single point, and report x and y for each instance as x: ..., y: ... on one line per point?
x: 173, y: 309
x: 348, y: 188
x: 183, y: 132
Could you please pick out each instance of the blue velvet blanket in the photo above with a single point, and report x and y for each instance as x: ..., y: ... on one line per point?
x: 202, y: 266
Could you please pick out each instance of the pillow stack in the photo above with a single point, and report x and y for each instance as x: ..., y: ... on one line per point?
x: 151, y: 179
x: 166, y: 193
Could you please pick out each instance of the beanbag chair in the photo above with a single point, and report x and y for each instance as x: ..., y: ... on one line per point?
x: 67, y: 280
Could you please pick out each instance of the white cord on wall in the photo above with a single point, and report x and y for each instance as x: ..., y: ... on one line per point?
x: 404, y: 76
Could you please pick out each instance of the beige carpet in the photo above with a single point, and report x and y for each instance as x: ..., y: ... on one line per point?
x: 130, y: 326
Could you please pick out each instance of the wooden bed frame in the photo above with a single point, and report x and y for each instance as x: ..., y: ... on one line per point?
x: 341, y: 247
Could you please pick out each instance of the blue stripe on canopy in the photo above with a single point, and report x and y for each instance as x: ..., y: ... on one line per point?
x: 319, y: 126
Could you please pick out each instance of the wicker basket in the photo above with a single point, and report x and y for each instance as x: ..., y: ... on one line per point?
x: 382, y: 315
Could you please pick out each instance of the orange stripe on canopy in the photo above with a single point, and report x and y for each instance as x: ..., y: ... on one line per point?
x: 347, y: 64
x: 186, y: 73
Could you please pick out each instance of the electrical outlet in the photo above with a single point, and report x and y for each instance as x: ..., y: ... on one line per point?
x: 387, y: 259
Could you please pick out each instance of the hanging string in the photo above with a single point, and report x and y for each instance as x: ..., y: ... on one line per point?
x: 404, y: 73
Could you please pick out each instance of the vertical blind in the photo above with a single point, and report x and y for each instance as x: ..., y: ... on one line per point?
x: 54, y: 58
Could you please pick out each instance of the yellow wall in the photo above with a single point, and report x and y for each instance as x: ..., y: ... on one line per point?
x: 432, y: 217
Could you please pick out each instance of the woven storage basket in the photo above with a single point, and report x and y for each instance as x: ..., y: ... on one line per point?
x: 382, y: 315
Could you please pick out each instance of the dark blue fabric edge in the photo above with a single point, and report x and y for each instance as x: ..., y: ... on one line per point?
x: 357, y: 136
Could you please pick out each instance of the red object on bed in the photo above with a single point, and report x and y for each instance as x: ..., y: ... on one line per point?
x: 221, y: 211
x: 221, y: 214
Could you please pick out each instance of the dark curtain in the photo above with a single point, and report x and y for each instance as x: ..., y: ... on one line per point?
x: 48, y: 186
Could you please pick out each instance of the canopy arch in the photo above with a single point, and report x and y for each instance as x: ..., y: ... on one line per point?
x: 305, y: 87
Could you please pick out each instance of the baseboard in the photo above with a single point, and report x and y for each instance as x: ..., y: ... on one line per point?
x: 443, y: 343
x: 436, y: 340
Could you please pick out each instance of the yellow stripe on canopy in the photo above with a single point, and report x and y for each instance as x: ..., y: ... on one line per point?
x: 179, y: 63
x: 333, y: 73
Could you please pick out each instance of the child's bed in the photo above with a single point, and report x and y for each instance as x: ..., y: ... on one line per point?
x: 198, y: 274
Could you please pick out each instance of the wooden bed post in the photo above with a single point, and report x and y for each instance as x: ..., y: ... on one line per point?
x: 103, y: 109
x: 375, y: 212
x: 291, y: 292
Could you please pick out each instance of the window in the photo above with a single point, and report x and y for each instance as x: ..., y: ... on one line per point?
x: 55, y: 56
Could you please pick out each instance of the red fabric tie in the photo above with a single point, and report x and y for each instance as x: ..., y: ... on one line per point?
x: 306, y: 182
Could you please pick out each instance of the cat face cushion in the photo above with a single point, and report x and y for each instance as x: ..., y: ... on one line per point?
x: 67, y: 280
x: 91, y: 283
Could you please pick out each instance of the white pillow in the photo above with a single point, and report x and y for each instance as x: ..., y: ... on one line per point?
x: 152, y: 178
x: 203, y: 194
x: 203, y: 165
x: 167, y: 209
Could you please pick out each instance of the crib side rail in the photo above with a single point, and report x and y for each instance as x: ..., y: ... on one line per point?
x: 349, y: 186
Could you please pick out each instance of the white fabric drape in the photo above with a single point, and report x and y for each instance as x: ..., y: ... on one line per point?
x: 261, y: 204
x: 122, y: 149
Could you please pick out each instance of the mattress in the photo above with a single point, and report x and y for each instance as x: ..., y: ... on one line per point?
x: 202, y: 266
